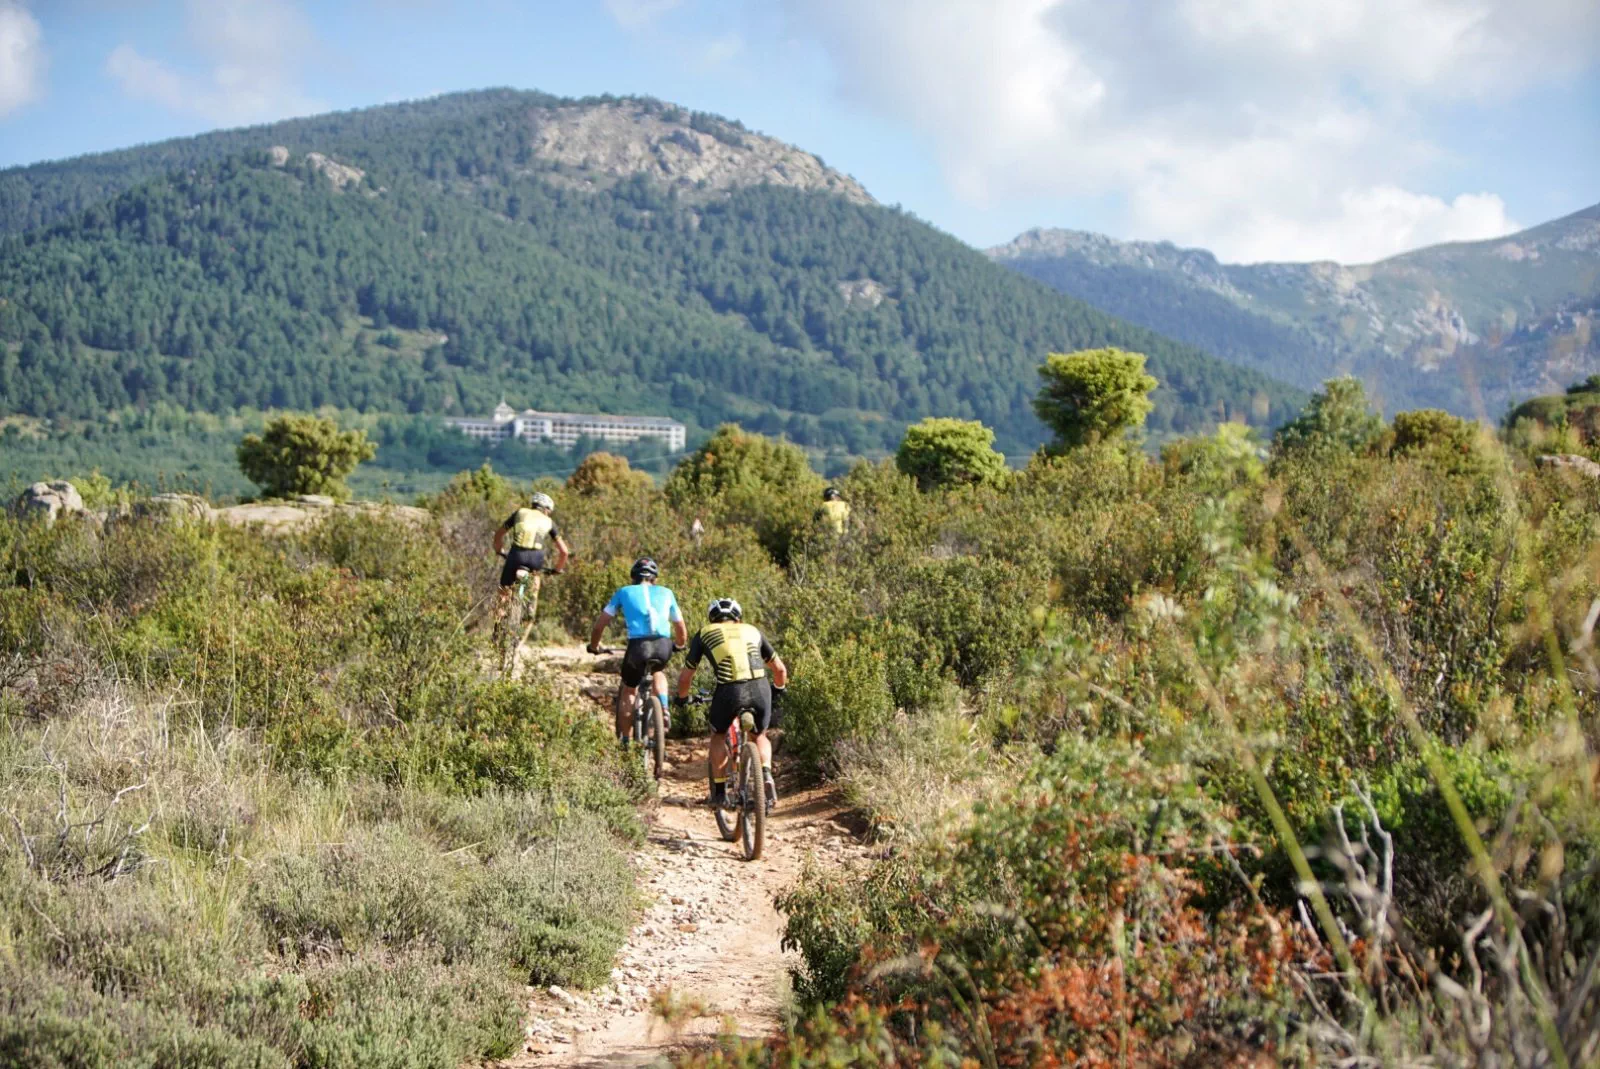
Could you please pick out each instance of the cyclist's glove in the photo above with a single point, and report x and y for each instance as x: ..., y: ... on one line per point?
x: 777, y: 695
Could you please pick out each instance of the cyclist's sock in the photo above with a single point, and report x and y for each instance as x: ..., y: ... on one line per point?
x: 719, y: 789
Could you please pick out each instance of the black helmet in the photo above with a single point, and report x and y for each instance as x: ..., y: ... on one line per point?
x: 643, y: 568
x: 724, y: 609
x: 830, y: 494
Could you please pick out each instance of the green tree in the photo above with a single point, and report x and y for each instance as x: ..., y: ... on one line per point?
x: 741, y: 478
x: 1229, y: 458
x: 1432, y: 428
x: 600, y: 473
x: 948, y: 452
x: 734, y: 460
x: 303, y: 455
x: 1093, y: 395
x: 1338, y: 418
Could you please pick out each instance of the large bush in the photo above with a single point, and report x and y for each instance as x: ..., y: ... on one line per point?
x: 950, y: 452
x: 303, y: 455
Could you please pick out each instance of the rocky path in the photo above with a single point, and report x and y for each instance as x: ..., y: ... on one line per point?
x: 704, y: 958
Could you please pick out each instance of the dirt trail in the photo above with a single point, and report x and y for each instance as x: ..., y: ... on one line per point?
x: 709, y: 933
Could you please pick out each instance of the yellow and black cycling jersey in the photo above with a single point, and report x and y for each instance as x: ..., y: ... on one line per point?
x: 737, y: 651
x: 836, y: 514
x: 529, y: 528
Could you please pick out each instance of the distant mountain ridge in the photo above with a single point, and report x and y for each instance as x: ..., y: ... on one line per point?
x: 620, y: 255
x: 1460, y: 325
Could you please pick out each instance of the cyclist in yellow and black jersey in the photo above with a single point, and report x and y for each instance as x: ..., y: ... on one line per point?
x: 741, y: 656
x: 528, y: 529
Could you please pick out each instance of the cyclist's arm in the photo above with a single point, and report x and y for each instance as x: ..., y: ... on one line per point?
x: 499, y: 540
x: 597, y: 632
x: 680, y: 630
x: 562, y: 552
x: 691, y: 661
x: 775, y: 665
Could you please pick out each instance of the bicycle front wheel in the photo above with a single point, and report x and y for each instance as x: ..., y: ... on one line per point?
x: 753, y: 815
x: 510, y: 638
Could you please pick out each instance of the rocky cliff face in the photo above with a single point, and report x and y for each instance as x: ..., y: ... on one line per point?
x: 595, y: 143
x: 1515, y: 302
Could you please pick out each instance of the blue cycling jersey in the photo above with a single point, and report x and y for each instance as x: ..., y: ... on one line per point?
x: 649, y: 610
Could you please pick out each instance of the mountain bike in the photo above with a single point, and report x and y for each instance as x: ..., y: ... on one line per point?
x: 649, y: 732
x: 743, y: 812
x: 512, y: 627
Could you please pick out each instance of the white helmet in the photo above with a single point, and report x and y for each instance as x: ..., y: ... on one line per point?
x: 724, y: 609
x: 542, y: 501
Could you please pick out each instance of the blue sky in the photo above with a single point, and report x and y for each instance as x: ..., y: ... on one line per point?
x: 1263, y: 129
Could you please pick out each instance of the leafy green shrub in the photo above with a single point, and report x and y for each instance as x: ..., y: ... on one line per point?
x: 950, y: 452
x: 749, y: 479
x: 600, y: 473
x: 1336, y: 419
x: 836, y: 693
x: 303, y: 455
x: 1012, y: 942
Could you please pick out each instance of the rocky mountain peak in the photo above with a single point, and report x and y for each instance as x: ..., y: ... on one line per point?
x: 687, y: 150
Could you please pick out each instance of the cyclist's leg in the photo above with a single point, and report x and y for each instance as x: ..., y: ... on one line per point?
x: 759, y: 698
x: 632, y: 675
x: 534, y: 582
x: 720, y: 713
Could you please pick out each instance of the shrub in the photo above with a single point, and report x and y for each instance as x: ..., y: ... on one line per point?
x: 303, y: 455
x: 836, y: 693
x: 739, y: 478
x: 1336, y: 419
x: 1012, y: 944
x: 950, y: 452
x: 600, y: 473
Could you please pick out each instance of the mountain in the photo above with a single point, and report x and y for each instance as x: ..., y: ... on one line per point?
x: 603, y: 254
x: 1459, y: 326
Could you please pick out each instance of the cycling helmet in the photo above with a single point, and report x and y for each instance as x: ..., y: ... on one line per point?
x: 724, y: 609
x: 542, y: 501
x: 644, y: 568
x: 830, y: 494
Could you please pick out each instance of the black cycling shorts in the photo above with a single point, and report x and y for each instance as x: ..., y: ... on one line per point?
x: 644, y: 655
x: 531, y: 559
x: 731, y: 699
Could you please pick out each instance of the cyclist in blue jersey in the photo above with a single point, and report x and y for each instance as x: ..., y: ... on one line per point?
x: 655, y: 629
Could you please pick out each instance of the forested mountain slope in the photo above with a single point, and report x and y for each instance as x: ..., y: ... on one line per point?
x: 1462, y: 326
x: 605, y: 254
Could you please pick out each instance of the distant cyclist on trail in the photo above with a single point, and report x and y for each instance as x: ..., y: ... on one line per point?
x: 655, y: 629
x: 529, y: 528
x: 835, y: 511
x: 740, y: 655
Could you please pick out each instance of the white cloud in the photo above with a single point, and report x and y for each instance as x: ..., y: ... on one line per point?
x: 250, y: 54
x: 1259, y: 128
x: 22, y: 58
x: 637, y: 14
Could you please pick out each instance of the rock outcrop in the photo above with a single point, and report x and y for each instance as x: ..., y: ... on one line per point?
x: 1570, y: 462
x: 693, y: 153
x: 46, y: 501
x: 340, y: 174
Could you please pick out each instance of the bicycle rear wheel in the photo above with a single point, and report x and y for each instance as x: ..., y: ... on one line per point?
x: 753, y: 814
